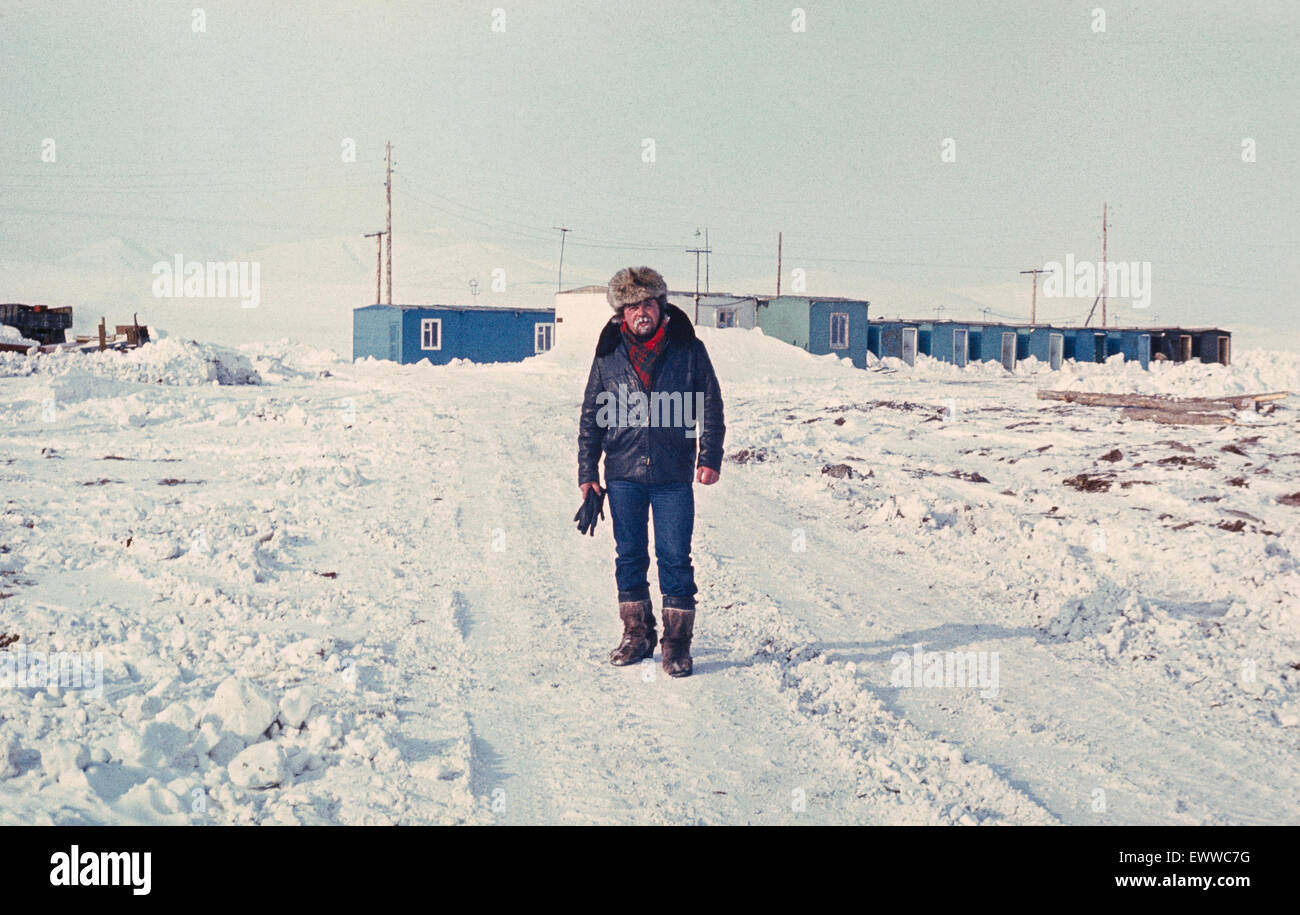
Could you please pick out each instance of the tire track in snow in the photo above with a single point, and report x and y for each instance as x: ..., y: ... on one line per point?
x: 1029, y: 733
x: 542, y: 745
x: 928, y: 780
x: 560, y: 735
x: 406, y: 624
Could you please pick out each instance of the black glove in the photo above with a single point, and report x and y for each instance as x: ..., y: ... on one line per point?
x: 586, y: 516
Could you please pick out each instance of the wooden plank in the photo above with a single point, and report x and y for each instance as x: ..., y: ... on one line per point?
x: 1099, y: 399
x: 1178, y: 417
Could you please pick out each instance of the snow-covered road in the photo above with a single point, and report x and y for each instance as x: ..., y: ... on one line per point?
x: 353, y: 594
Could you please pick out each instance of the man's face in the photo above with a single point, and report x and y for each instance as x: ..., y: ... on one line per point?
x: 642, y: 317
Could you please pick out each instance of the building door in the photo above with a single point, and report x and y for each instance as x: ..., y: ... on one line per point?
x: 1098, y: 347
x: 1144, y: 350
x: 1009, y: 351
x: 1185, y: 348
x: 1225, y: 347
x: 1055, y: 350
x: 909, y: 345
x: 960, y: 348
x: 393, y: 352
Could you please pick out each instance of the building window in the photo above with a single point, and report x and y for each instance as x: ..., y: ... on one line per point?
x: 839, y: 330
x: 431, y: 333
x: 543, y: 337
x: 726, y: 317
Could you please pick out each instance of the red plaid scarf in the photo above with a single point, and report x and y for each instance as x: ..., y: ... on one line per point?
x: 645, y: 353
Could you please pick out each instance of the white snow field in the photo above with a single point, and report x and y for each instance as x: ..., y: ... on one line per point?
x: 325, y: 592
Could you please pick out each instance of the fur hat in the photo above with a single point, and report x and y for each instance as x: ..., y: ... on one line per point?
x: 632, y: 284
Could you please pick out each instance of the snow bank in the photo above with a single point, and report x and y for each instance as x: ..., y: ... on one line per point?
x: 1252, y: 372
x: 287, y: 358
x: 169, y: 361
x: 12, y: 335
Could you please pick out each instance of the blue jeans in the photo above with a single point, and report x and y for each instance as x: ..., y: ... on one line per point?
x: 674, y: 519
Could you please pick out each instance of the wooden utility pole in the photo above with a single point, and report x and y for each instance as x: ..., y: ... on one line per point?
x: 388, y: 225
x: 1103, y: 265
x: 697, y: 252
x: 379, y: 263
x: 778, y: 263
x: 1033, y: 302
x: 707, y: 249
x: 559, y: 280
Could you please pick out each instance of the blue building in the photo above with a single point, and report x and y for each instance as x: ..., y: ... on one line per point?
x: 1005, y: 343
x: 962, y: 342
x: 1094, y: 344
x: 897, y: 338
x: 1183, y: 344
x: 1097, y: 344
x: 818, y: 324
x: 950, y: 341
x: 441, y: 333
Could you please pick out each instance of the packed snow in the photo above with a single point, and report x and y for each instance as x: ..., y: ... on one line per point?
x: 301, y: 590
x: 14, y: 336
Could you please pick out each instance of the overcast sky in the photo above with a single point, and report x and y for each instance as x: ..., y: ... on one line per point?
x: 220, y: 142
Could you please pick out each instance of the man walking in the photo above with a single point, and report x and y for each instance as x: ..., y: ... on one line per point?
x: 652, y: 397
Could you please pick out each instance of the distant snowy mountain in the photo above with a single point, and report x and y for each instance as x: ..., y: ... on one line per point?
x: 110, y: 255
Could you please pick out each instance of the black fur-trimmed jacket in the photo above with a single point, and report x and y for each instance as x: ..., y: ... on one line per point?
x: 651, y: 445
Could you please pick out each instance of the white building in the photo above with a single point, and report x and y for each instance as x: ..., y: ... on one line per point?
x: 580, y: 314
x: 718, y: 309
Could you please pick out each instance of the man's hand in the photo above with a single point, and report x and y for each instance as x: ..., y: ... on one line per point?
x: 583, y: 487
x: 706, y: 475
